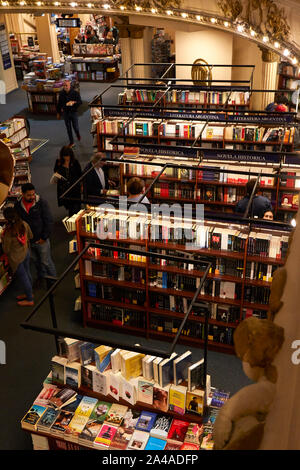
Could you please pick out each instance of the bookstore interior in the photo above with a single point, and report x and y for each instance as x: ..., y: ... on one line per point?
x: 164, y: 314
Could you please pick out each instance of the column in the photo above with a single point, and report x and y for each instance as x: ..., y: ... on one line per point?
x: 8, y: 80
x: 47, y: 37
x: 124, y: 41
x: 138, y: 51
x: 269, y: 75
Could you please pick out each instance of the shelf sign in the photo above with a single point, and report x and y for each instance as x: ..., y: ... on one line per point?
x: 4, y: 48
x: 283, y: 118
x: 68, y: 22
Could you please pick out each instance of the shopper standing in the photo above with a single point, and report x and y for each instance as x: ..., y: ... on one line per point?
x: 35, y: 211
x: 16, y: 237
x: 96, y: 182
x: 68, y: 167
x: 68, y: 103
x: 259, y: 205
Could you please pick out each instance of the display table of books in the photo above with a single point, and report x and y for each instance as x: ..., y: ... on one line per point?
x: 111, y: 405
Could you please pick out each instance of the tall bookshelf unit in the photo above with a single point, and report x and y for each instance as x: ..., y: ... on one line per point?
x: 129, y: 292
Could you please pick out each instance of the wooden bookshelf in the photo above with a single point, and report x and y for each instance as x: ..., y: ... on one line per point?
x: 146, y: 311
x: 47, y: 106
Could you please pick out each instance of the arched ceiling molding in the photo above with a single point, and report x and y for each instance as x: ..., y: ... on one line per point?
x: 287, y: 50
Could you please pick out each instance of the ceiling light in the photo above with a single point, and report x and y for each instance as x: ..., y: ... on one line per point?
x: 226, y: 24
x: 213, y: 20
x: 138, y: 8
x: 106, y: 6
x: 39, y: 4
x: 89, y: 5
x: 22, y: 3
x: 240, y: 28
x: 198, y: 17
x: 122, y: 7
x: 73, y: 4
x: 184, y: 15
x: 153, y: 10
x: 265, y: 39
x: 253, y: 33
x: 286, y: 52
x: 276, y: 44
x: 4, y: 4
x: 56, y: 4
x: 169, y: 12
x: 294, y: 60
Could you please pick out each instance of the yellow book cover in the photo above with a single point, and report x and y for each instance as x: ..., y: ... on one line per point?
x: 195, y: 401
x: 177, y: 398
x: 77, y: 424
x: 133, y: 366
x: 102, y: 352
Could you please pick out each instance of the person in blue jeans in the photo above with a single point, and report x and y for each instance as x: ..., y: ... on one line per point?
x: 36, y: 213
x: 16, y: 237
x: 68, y: 103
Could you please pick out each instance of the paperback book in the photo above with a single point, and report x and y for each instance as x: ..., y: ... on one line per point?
x: 146, y: 421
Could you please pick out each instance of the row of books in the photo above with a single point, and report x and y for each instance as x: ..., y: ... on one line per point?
x: 11, y: 126
x: 93, y: 49
x: 207, y: 237
x: 103, y: 425
x: 46, y: 108
x: 228, y: 195
x: 42, y: 98
x: 189, y: 130
x: 99, y: 75
x: 185, y: 96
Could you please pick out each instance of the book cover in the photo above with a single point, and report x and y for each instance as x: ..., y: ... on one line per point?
x: 155, y: 443
x: 47, y: 419
x: 195, y: 401
x: 105, y: 435
x: 115, y: 385
x: 189, y: 446
x: 86, y: 406
x: 181, y: 365
x: 166, y: 371
x: 128, y: 390
x: 73, y: 405
x: 101, y: 382
x: 178, y: 431
x: 44, y: 396
x: 219, y: 398
x: 125, y: 430
x: 62, y: 397
x: 161, y: 398
x: 61, y: 423
x: 177, y: 399
x: 145, y: 391
x: 100, y: 411
x: 194, y: 434
x: 58, y: 369
x: 196, y: 375
x: 138, y: 440
x: 132, y: 365
x: 146, y: 421
x: 173, y: 446
x: 102, y: 358
x: 86, y: 353
x: 73, y: 374
x: 87, y: 376
x: 90, y: 432
x: 161, y: 426
x: 29, y: 421
x: 116, y: 414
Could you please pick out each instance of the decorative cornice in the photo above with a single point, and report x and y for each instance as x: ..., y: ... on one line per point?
x: 269, y: 56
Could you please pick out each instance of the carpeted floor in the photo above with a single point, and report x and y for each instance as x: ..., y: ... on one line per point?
x: 28, y: 352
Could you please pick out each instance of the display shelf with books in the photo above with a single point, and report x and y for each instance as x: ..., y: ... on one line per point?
x: 124, y: 286
x: 102, y: 398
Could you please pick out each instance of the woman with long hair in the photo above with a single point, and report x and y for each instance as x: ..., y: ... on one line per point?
x: 16, y: 237
x: 68, y: 167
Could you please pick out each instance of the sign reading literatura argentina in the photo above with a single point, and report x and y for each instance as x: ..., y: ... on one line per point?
x: 153, y: 113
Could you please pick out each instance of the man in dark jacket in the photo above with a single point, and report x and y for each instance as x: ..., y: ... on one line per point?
x: 68, y: 103
x: 35, y: 211
x: 260, y: 204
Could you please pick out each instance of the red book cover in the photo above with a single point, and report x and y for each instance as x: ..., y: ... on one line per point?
x: 290, y: 183
x: 188, y: 446
x: 178, y: 431
x: 185, y: 131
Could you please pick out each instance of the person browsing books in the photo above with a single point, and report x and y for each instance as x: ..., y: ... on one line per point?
x: 36, y: 213
x: 268, y: 215
x: 68, y: 104
x: 260, y: 204
x: 67, y: 169
x: 135, y: 190
x: 16, y: 237
x: 96, y: 182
